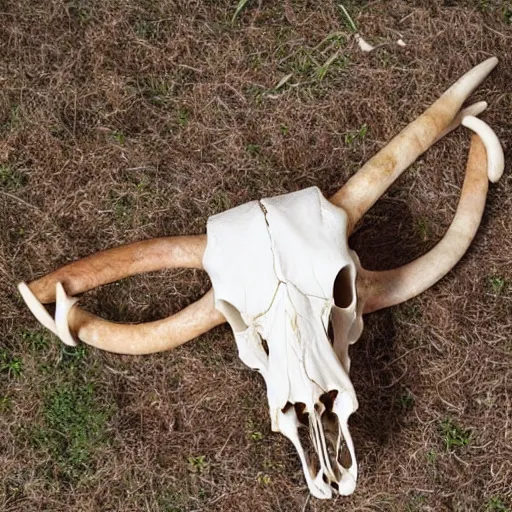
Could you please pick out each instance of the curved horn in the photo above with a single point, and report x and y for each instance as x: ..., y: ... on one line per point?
x: 111, y: 265
x: 363, y: 189
x: 134, y: 339
x: 127, y: 260
x: 382, y: 289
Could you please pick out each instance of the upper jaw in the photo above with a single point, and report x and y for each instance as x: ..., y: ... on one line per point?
x: 330, y: 477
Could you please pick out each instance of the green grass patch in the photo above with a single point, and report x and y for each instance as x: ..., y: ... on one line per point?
x: 74, y: 426
x: 497, y: 284
x: 416, y: 503
x: 146, y: 29
x: 253, y: 149
x: 197, y: 464
x: 496, y: 504
x: 423, y: 230
x: 10, y: 178
x: 158, y: 90
x: 334, y: 61
x: 5, y: 404
x: 408, y: 313
x: 123, y: 209
x: 38, y: 341
x: 432, y: 457
x: 72, y: 423
x: 118, y: 136
x: 253, y: 432
x: 407, y: 401
x: 307, y: 63
x: 507, y: 14
x: 73, y: 357
x: 10, y: 365
x: 183, y: 116
x: 356, y: 135
x: 219, y: 202
x: 173, y: 501
x: 80, y: 10
x: 453, y: 435
x: 14, y: 119
x: 241, y: 5
x: 347, y: 19
x: 264, y: 479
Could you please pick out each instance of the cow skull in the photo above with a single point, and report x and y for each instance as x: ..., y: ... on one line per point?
x: 293, y: 292
x: 286, y: 256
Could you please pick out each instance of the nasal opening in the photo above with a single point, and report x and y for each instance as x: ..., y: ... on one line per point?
x: 320, y: 436
x: 305, y: 436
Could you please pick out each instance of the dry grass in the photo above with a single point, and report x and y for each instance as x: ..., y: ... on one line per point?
x: 123, y: 120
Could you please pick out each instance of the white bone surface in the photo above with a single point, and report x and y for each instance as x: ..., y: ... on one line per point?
x: 36, y: 308
x: 495, y: 156
x: 62, y: 307
x: 273, y: 264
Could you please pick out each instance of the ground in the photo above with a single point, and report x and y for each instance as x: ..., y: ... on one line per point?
x: 123, y: 120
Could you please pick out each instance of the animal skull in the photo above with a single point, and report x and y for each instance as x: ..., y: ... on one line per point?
x: 286, y: 256
x: 293, y: 292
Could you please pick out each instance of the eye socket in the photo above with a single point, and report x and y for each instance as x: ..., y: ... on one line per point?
x: 342, y: 289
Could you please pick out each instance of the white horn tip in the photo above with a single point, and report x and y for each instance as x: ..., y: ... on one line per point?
x: 63, y: 306
x: 495, y: 157
x: 36, y: 308
x: 474, y: 110
x: 490, y: 63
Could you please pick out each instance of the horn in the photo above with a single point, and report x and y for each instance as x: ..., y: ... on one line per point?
x: 112, y: 265
x: 127, y: 260
x: 363, y: 189
x: 382, y: 289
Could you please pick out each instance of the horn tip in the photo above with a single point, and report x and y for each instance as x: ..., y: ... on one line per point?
x: 493, y: 147
x: 490, y: 63
x: 36, y: 308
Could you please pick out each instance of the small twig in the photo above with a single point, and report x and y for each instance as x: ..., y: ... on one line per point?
x: 403, y: 355
x: 16, y: 198
x: 306, y: 503
x: 496, y: 32
x: 349, y: 19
